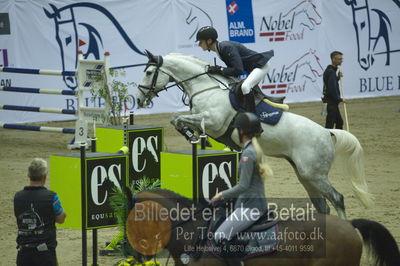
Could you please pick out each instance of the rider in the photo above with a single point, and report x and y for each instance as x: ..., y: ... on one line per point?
x: 238, y: 59
x: 249, y: 192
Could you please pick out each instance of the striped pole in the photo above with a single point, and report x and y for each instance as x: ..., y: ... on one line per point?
x: 38, y: 90
x: 37, y: 109
x: 55, y: 72
x: 38, y: 128
x: 37, y: 71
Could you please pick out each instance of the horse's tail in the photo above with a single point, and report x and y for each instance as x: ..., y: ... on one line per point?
x: 382, y: 245
x: 351, y: 156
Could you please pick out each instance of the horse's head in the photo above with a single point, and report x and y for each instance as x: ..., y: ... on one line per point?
x: 153, y: 217
x: 75, y: 30
x: 147, y: 232
x: 194, y: 19
x: 307, y: 14
x: 308, y: 65
x: 154, y: 80
x: 361, y: 23
x: 314, y: 64
x: 187, y: 72
x: 312, y: 14
x: 66, y: 37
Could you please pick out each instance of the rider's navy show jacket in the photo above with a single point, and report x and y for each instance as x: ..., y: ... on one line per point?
x: 238, y: 58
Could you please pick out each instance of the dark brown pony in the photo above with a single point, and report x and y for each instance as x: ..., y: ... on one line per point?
x: 336, y: 242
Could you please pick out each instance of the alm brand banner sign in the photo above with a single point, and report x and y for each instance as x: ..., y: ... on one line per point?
x: 301, y: 32
x: 102, y: 176
x: 240, y: 21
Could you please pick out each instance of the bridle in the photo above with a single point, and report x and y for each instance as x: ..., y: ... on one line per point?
x: 151, y: 90
x: 156, y: 61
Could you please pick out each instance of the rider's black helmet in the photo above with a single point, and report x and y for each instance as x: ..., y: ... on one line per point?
x: 249, y: 123
x: 206, y: 33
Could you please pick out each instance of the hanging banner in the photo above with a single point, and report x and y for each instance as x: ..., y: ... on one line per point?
x: 240, y: 21
x: 302, y: 33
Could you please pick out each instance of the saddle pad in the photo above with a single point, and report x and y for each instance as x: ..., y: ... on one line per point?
x: 251, y: 244
x: 265, y: 112
x: 268, y: 114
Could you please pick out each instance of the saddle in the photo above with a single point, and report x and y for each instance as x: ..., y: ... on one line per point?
x: 259, y: 96
x: 267, y: 110
x: 257, y: 240
x: 266, y: 221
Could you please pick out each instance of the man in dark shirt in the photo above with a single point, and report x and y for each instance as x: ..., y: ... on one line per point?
x: 37, y: 210
x: 238, y: 59
x: 332, y: 93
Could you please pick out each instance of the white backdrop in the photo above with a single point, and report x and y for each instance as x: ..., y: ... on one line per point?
x: 47, y: 34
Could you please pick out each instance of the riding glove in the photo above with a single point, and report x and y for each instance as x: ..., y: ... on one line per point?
x: 215, y: 70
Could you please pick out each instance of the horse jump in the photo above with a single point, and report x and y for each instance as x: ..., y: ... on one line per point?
x: 37, y: 90
x: 82, y: 113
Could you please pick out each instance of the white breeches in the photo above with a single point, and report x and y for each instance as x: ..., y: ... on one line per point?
x: 254, y: 78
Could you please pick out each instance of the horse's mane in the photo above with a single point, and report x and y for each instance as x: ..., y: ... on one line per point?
x: 190, y: 58
x: 193, y: 63
x: 173, y: 195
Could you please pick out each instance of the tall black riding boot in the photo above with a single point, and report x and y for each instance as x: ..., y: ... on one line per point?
x: 249, y: 103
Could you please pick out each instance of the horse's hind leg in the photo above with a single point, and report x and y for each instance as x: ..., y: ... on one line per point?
x: 316, y: 197
x: 319, y: 189
x: 325, y: 188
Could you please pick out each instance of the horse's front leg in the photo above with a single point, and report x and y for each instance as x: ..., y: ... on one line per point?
x: 188, y: 124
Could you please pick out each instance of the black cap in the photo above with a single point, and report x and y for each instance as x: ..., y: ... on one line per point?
x: 206, y: 33
x: 249, y: 123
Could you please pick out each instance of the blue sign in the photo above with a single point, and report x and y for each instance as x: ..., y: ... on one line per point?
x: 240, y: 21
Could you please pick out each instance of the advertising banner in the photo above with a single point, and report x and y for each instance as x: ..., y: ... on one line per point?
x: 215, y: 174
x: 145, y: 146
x: 303, y: 33
x: 103, y: 176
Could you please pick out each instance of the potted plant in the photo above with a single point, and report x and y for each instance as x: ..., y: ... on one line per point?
x: 114, y: 92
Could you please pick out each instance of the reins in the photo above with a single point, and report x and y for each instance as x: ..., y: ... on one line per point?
x: 152, y: 91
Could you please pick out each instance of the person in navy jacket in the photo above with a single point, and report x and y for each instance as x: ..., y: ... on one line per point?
x: 238, y: 59
x: 332, y: 93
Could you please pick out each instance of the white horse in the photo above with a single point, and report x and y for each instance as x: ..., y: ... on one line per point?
x: 308, y: 147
